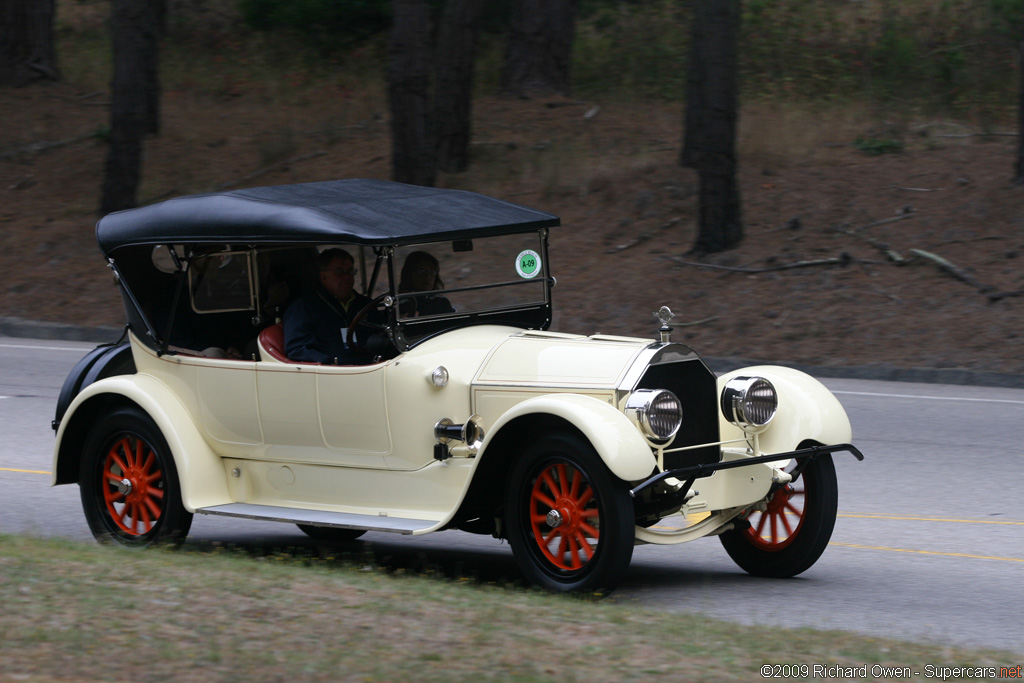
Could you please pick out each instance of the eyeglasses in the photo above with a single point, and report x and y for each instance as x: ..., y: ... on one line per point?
x: 342, y: 271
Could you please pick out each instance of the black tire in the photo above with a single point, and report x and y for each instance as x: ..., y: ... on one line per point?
x: 799, y: 523
x: 129, y: 484
x: 331, y: 534
x: 590, y: 549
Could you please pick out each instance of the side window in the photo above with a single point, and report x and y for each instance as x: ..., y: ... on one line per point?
x: 222, y: 281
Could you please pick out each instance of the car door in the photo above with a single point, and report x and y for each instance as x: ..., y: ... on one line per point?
x: 225, y: 392
x: 322, y: 415
x: 353, y: 412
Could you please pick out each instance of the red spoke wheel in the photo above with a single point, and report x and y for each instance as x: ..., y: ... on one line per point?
x: 129, y: 484
x: 776, y: 527
x: 133, y: 485
x: 568, y: 519
x: 793, y: 531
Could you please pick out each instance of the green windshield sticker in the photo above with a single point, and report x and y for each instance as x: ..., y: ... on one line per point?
x: 528, y: 263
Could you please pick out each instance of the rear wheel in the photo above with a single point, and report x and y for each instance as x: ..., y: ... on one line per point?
x: 129, y: 485
x: 792, y: 533
x: 331, y: 534
x: 569, y: 520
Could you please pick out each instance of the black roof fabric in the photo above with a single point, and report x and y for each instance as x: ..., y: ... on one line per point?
x: 371, y: 212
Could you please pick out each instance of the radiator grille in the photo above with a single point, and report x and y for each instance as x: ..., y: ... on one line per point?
x: 697, y: 389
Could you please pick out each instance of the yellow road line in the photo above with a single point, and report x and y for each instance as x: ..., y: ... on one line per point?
x: 692, y: 519
x: 927, y: 552
x: 929, y: 519
x: 11, y: 469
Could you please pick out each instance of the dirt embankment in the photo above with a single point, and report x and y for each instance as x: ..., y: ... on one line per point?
x: 895, y: 260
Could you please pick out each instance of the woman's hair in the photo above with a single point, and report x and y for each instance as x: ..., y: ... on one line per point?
x: 415, y: 261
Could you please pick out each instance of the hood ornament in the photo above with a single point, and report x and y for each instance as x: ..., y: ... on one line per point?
x: 664, y: 315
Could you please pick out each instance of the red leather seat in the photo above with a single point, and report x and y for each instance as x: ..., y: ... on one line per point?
x: 272, y: 341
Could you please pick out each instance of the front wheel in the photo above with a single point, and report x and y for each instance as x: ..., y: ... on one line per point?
x: 792, y: 533
x: 569, y: 520
x: 129, y: 485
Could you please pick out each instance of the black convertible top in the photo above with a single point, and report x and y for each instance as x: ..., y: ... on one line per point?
x: 370, y: 212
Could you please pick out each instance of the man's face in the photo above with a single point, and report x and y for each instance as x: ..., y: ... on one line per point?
x: 339, y: 278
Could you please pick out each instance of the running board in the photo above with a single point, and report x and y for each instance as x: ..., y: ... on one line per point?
x: 343, y: 520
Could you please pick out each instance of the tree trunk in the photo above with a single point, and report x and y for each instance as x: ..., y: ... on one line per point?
x: 412, y: 146
x: 27, y: 51
x: 155, y: 23
x: 453, y: 96
x: 539, y: 50
x: 1019, y: 170
x: 709, y: 144
x: 133, y: 100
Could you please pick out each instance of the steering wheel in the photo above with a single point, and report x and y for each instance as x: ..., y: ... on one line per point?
x: 357, y: 319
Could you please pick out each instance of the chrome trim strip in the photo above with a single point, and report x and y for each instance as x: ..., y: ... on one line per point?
x: 656, y: 353
x: 344, y: 520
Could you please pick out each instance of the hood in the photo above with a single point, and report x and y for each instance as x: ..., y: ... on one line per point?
x: 551, y: 359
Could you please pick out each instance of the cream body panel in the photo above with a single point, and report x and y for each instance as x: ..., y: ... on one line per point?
x: 732, y: 488
x: 354, y: 412
x: 227, y: 397
x: 412, y: 395
x: 543, y: 360
x: 291, y: 411
x: 807, y: 410
x: 220, y: 395
x: 432, y: 493
x: 288, y: 408
x: 491, y: 401
x: 617, y: 441
x: 200, y: 471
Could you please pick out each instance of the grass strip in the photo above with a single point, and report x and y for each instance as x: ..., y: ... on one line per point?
x: 71, y: 611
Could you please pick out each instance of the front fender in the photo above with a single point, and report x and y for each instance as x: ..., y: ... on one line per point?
x: 619, y: 444
x: 807, y: 411
x: 200, y: 470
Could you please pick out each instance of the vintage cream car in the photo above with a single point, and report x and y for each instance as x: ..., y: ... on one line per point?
x: 574, y: 448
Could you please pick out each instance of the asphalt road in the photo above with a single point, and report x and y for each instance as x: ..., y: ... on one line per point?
x: 929, y: 544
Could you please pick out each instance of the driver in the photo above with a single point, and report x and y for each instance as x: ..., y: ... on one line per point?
x: 315, y: 324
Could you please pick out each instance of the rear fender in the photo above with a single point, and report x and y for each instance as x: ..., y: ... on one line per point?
x: 620, y: 445
x: 203, y: 481
x: 103, y: 361
x: 807, y: 411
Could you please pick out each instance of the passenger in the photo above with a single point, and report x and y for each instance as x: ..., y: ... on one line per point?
x: 315, y: 324
x: 421, y: 273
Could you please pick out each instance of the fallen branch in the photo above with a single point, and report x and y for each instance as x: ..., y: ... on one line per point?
x: 843, y: 259
x: 883, y: 247
x: 952, y: 269
x: 38, y: 147
x: 272, y: 167
x: 643, y: 237
x: 884, y: 221
x: 1007, y: 134
x: 965, y: 240
x: 998, y: 296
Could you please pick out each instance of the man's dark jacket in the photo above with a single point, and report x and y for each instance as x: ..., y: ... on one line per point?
x: 315, y: 326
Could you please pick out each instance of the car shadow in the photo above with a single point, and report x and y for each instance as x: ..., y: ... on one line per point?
x: 482, y: 563
x: 479, y: 560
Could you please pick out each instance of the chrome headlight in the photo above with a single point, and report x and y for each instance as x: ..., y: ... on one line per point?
x: 658, y: 412
x: 749, y: 402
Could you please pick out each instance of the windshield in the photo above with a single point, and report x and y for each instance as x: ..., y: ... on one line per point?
x: 502, y: 279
